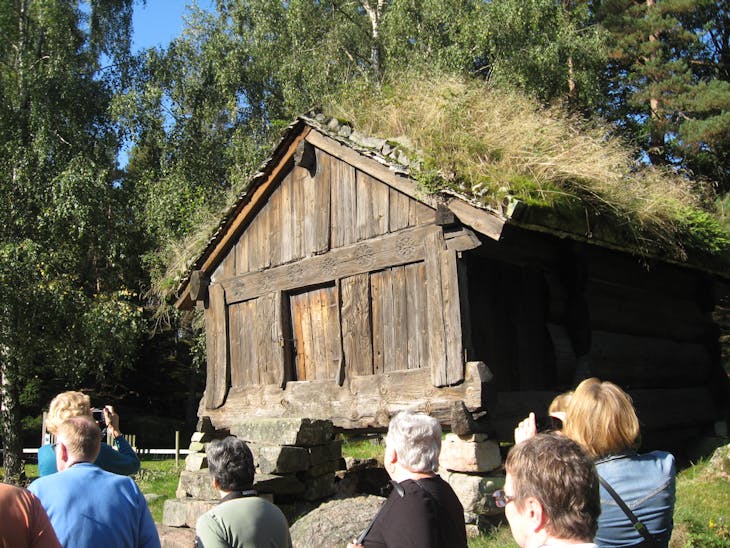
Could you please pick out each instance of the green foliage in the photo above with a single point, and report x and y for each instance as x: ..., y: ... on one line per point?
x: 363, y: 448
x: 551, y: 49
x: 668, y: 81
x: 704, y: 231
x: 66, y: 312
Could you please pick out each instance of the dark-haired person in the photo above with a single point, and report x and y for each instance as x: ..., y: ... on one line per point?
x: 550, y: 495
x: 241, y: 519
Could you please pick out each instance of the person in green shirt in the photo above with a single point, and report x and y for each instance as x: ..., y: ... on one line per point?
x: 242, y: 519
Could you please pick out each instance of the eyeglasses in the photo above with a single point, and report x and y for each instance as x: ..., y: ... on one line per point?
x: 502, y: 499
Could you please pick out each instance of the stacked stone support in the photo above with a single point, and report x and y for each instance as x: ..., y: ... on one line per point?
x: 296, y: 460
x: 471, y: 465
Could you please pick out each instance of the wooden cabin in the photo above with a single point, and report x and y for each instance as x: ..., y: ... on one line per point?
x: 335, y: 289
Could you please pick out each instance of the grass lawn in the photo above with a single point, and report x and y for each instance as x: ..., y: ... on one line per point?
x: 701, y: 516
x: 159, y: 477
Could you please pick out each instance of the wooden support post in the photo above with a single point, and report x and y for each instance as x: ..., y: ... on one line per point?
x: 177, y: 448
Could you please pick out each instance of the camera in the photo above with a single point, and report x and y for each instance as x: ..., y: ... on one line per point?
x: 98, y: 416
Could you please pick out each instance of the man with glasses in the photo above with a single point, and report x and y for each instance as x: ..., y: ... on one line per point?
x: 87, y: 506
x: 550, y: 495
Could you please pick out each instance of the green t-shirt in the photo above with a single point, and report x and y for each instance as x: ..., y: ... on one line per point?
x: 249, y: 522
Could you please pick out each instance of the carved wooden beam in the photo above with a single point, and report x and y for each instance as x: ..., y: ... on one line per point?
x: 199, y: 286
x: 405, y: 246
x: 304, y: 156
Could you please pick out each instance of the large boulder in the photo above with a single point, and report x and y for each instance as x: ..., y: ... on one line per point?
x: 719, y: 464
x: 335, y: 523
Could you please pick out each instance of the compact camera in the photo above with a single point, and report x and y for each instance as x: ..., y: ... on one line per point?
x: 98, y: 416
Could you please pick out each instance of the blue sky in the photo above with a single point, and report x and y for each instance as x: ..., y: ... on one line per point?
x: 159, y: 21
x: 155, y: 24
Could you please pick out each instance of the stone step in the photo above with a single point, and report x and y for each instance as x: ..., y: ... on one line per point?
x: 185, y: 512
x: 284, y: 431
x: 176, y: 537
x: 473, y: 454
x: 198, y: 485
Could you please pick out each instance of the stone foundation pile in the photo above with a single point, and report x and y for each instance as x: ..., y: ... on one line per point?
x: 296, y: 460
x: 472, y: 465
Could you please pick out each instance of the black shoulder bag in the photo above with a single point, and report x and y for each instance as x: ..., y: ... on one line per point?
x: 651, y: 540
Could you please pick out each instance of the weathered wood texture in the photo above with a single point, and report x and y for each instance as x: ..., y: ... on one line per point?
x: 508, y: 324
x: 443, y: 312
x: 399, y: 323
x: 359, y: 247
x: 316, y: 327
x: 309, y: 215
x: 356, y: 327
x: 257, y: 342
x: 403, y: 247
x: 216, y: 329
x: 373, y: 168
x: 362, y: 402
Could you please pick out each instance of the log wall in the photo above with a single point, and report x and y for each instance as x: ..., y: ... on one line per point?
x: 547, y: 313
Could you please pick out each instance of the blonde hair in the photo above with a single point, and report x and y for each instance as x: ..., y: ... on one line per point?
x: 66, y: 405
x: 81, y: 436
x: 560, y: 403
x: 602, y: 419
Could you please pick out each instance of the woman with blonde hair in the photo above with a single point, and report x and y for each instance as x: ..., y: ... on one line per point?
x: 120, y: 459
x: 637, y: 490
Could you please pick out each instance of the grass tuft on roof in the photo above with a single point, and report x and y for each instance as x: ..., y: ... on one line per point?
x: 494, y: 146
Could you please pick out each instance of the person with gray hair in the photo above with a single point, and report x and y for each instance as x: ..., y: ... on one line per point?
x: 422, y: 510
x: 242, y: 519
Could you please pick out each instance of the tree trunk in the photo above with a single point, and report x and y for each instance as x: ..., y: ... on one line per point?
x: 374, y: 9
x: 10, y: 422
x: 567, y: 8
x: 656, y: 120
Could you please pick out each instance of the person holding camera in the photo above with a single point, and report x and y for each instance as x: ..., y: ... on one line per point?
x: 120, y: 459
x: 90, y: 507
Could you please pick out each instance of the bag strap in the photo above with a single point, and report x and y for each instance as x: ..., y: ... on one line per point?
x: 640, y: 527
x: 401, y: 492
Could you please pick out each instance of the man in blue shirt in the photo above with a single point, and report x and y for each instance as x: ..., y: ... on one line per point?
x: 88, y: 506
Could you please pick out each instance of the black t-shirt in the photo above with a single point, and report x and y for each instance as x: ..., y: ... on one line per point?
x: 427, y: 514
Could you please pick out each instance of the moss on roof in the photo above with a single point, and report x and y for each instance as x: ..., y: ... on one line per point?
x: 495, y: 146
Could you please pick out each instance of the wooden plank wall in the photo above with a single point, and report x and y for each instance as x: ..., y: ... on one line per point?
x: 306, y: 216
x: 216, y: 330
x: 546, y: 311
x: 369, y: 316
x: 316, y: 327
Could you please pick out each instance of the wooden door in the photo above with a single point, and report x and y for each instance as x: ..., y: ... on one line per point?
x: 315, y: 322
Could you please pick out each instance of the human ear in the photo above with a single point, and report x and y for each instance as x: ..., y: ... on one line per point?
x: 534, y: 513
x: 391, y: 455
